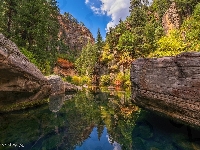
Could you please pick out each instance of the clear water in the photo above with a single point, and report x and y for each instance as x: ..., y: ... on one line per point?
x: 93, y: 120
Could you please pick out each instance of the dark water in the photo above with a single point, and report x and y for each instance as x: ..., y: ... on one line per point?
x: 93, y: 120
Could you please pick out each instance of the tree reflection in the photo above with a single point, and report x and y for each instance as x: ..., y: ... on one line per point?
x: 64, y: 124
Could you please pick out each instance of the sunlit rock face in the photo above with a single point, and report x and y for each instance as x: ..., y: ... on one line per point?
x: 171, y: 19
x: 169, y: 85
x: 17, y: 73
x: 75, y: 35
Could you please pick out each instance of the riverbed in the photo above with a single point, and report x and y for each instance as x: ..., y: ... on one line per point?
x: 93, y: 120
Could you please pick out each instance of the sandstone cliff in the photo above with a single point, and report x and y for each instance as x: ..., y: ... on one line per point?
x: 73, y: 34
x: 169, y: 86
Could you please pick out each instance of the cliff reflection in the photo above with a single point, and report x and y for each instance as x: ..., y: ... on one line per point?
x: 67, y: 123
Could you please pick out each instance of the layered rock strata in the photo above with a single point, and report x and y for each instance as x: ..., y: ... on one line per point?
x: 169, y: 86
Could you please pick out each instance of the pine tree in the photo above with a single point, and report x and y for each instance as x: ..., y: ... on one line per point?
x: 99, y: 41
x: 7, y: 13
x: 137, y: 20
x: 33, y: 26
x: 100, y: 128
x: 86, y: 62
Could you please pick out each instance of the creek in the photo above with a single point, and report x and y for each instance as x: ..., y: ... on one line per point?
x: 93, y: 120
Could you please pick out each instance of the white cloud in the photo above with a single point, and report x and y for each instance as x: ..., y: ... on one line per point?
x: 96, y: 10
x: 86, y: 1
x: 116, y: 9
x: 116, y: 146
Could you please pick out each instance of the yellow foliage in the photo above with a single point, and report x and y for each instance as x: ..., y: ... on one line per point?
x: 169, y: 45
x: 106, y: 55
x: 76, y: 80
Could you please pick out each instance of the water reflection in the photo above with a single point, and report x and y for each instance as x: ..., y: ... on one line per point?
x: 93, y: 119
x: 94, y: 142
x: 56, y: 102
x: 68, y: 123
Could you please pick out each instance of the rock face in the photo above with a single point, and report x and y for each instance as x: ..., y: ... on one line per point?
x: 17, y: 73
x: 171, y: 19
x: 169, y: 86
x: 75, y: 35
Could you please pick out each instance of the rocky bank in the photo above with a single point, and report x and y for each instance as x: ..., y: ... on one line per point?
x: 169, y: 86
x: 21, y: 80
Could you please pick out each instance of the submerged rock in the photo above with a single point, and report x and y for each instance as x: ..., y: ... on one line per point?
x: 169, y: 86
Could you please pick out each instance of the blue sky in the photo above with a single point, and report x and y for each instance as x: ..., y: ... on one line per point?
x: 96, y: 13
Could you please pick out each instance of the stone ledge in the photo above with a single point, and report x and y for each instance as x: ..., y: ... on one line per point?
x: 170, y: 84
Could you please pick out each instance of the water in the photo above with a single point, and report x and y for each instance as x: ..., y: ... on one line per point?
x: 93, y: 120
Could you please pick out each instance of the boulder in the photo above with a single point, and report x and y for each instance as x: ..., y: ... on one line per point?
x: 18, y: 74
x: 58, y: 86
x: 169, y: 86
x: 22, y: 83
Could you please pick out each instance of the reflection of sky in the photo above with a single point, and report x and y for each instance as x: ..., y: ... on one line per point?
x: 93, y: 143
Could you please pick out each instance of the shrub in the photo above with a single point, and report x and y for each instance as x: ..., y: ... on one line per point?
x: 123, y: 79
x: 169, y: 45
x: 119, y: 80
x: 76, y: 80
x: 67, y: 79
x: 85, y: 80
x: 105, y: 80
x: 127, y: 84
x: 29, y: 55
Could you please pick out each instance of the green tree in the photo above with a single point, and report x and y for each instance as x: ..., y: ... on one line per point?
x: 138, y: 19
x: 138, y: 12
x: 126, y: 42
x: 99, y: 41
x: 86, y: 62
x: 36, y: 29
x: 159, y: 7
x: 186, y: 7
x: 190, y: 30
x: 7, y: 14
